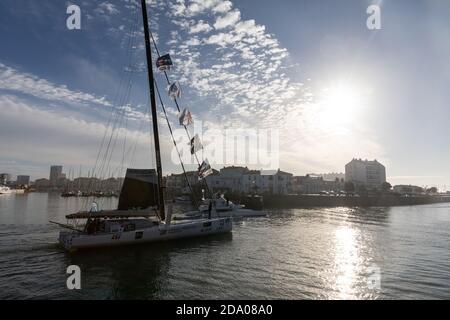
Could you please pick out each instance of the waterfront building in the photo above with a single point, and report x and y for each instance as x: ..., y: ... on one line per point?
x: 332, y: 176
x: 315, y: 184
x: 42, y: 184
x: 55, y: 174
x: 23, y: 180
x: 409, y: 190
x: 5, y: 178
x: 176, y: 183
x: 231, y: 177
x: 234, y: 179
x: 252, y: 182
x: 364, y: 173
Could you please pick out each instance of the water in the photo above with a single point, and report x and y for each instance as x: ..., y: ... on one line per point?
x: 292, y: 254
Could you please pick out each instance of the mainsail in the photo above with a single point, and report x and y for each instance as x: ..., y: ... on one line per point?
x: 139, y: 190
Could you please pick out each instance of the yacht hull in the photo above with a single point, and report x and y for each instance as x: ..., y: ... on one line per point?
x: 75, y: 240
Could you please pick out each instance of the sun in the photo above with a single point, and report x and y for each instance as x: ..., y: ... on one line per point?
x: 340, y: 103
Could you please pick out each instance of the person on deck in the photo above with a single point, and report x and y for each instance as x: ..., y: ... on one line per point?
x: 209, y: 209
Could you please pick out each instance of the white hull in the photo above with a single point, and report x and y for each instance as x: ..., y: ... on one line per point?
x: 6, y: 190
x: 233, y: 213
x: 162, y: 232
x: 241, y: 213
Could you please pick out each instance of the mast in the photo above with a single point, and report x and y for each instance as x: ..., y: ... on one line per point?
x: 154, y: 114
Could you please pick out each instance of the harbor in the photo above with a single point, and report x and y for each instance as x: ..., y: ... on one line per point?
x: 209, y: 150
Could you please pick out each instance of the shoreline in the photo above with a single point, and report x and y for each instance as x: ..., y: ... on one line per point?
x: 308, y: 201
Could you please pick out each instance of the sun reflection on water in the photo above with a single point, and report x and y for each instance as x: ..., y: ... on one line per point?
x: 347, y: 262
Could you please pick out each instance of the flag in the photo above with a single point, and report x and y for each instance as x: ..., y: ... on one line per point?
x: 185, y: 117
x: 195, y: 144
x: 164, y: 62
x: 204, y: 170
x: 175, y: 90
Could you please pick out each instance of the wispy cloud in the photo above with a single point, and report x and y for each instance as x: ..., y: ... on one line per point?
x: 26, y: 83
x: 107, y: 9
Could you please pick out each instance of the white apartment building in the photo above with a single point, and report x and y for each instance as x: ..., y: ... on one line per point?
x: 370, y: 174
x: 409, y: 189
x: 235, y: 179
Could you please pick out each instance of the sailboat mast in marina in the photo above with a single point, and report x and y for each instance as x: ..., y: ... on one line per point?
x: 151, y: 83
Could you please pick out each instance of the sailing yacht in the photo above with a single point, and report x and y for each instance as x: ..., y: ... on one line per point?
x: 141, y: 215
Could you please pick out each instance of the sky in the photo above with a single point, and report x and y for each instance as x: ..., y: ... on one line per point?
x: 307, y: 72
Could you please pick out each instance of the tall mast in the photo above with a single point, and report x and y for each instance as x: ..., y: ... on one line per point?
x: 153, y: 107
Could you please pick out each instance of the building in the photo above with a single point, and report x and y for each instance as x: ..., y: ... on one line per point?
x: 314, y: 184
x: 23, y: 180
x: 332, y: 176
x: 266, y: 181
x: 55, y: 174
x: 5, y: 178
x: 234, y: 179
x: 364, y: 173
x: 231, y: 177
x: 176, y: 183
x: 409, y: 190
x: 42, y: 184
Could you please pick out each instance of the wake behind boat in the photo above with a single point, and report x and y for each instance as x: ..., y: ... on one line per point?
x: 141, y: 214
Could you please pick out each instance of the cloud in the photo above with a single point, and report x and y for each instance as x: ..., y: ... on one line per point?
x: 227, y: 20
x: 106, y: 8
x: 25, y: 83
x: 47, y: 137
x: 223, y: 7
x: 201, y: 26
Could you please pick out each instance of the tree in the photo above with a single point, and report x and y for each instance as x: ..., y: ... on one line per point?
x: 386, y: 186
x: 349, y: 187
x: 432, y: 190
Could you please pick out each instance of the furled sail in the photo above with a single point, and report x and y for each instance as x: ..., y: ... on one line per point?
x: 139, y: 190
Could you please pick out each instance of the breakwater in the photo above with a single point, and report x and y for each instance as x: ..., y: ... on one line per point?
x: 303, y: 201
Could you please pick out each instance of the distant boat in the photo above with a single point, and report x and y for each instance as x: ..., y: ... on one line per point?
x: 141, y: 215
x: 220, y: 207
x: 8, y: 190
x: 5, y: 190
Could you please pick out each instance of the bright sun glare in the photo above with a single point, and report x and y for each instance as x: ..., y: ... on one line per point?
x: 339, y: 104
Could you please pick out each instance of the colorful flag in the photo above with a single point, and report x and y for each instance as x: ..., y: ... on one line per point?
x: 195, y: 144
x: 204, y: 170
x: 164, y: 62
x: 175, y: 90
x: 185, y: 117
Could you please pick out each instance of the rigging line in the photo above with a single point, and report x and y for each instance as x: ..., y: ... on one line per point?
x: 132, y: 32
x: 120, y: 123
x: 120, y: 114
x: 179, y: 110
x: 175, y: 144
